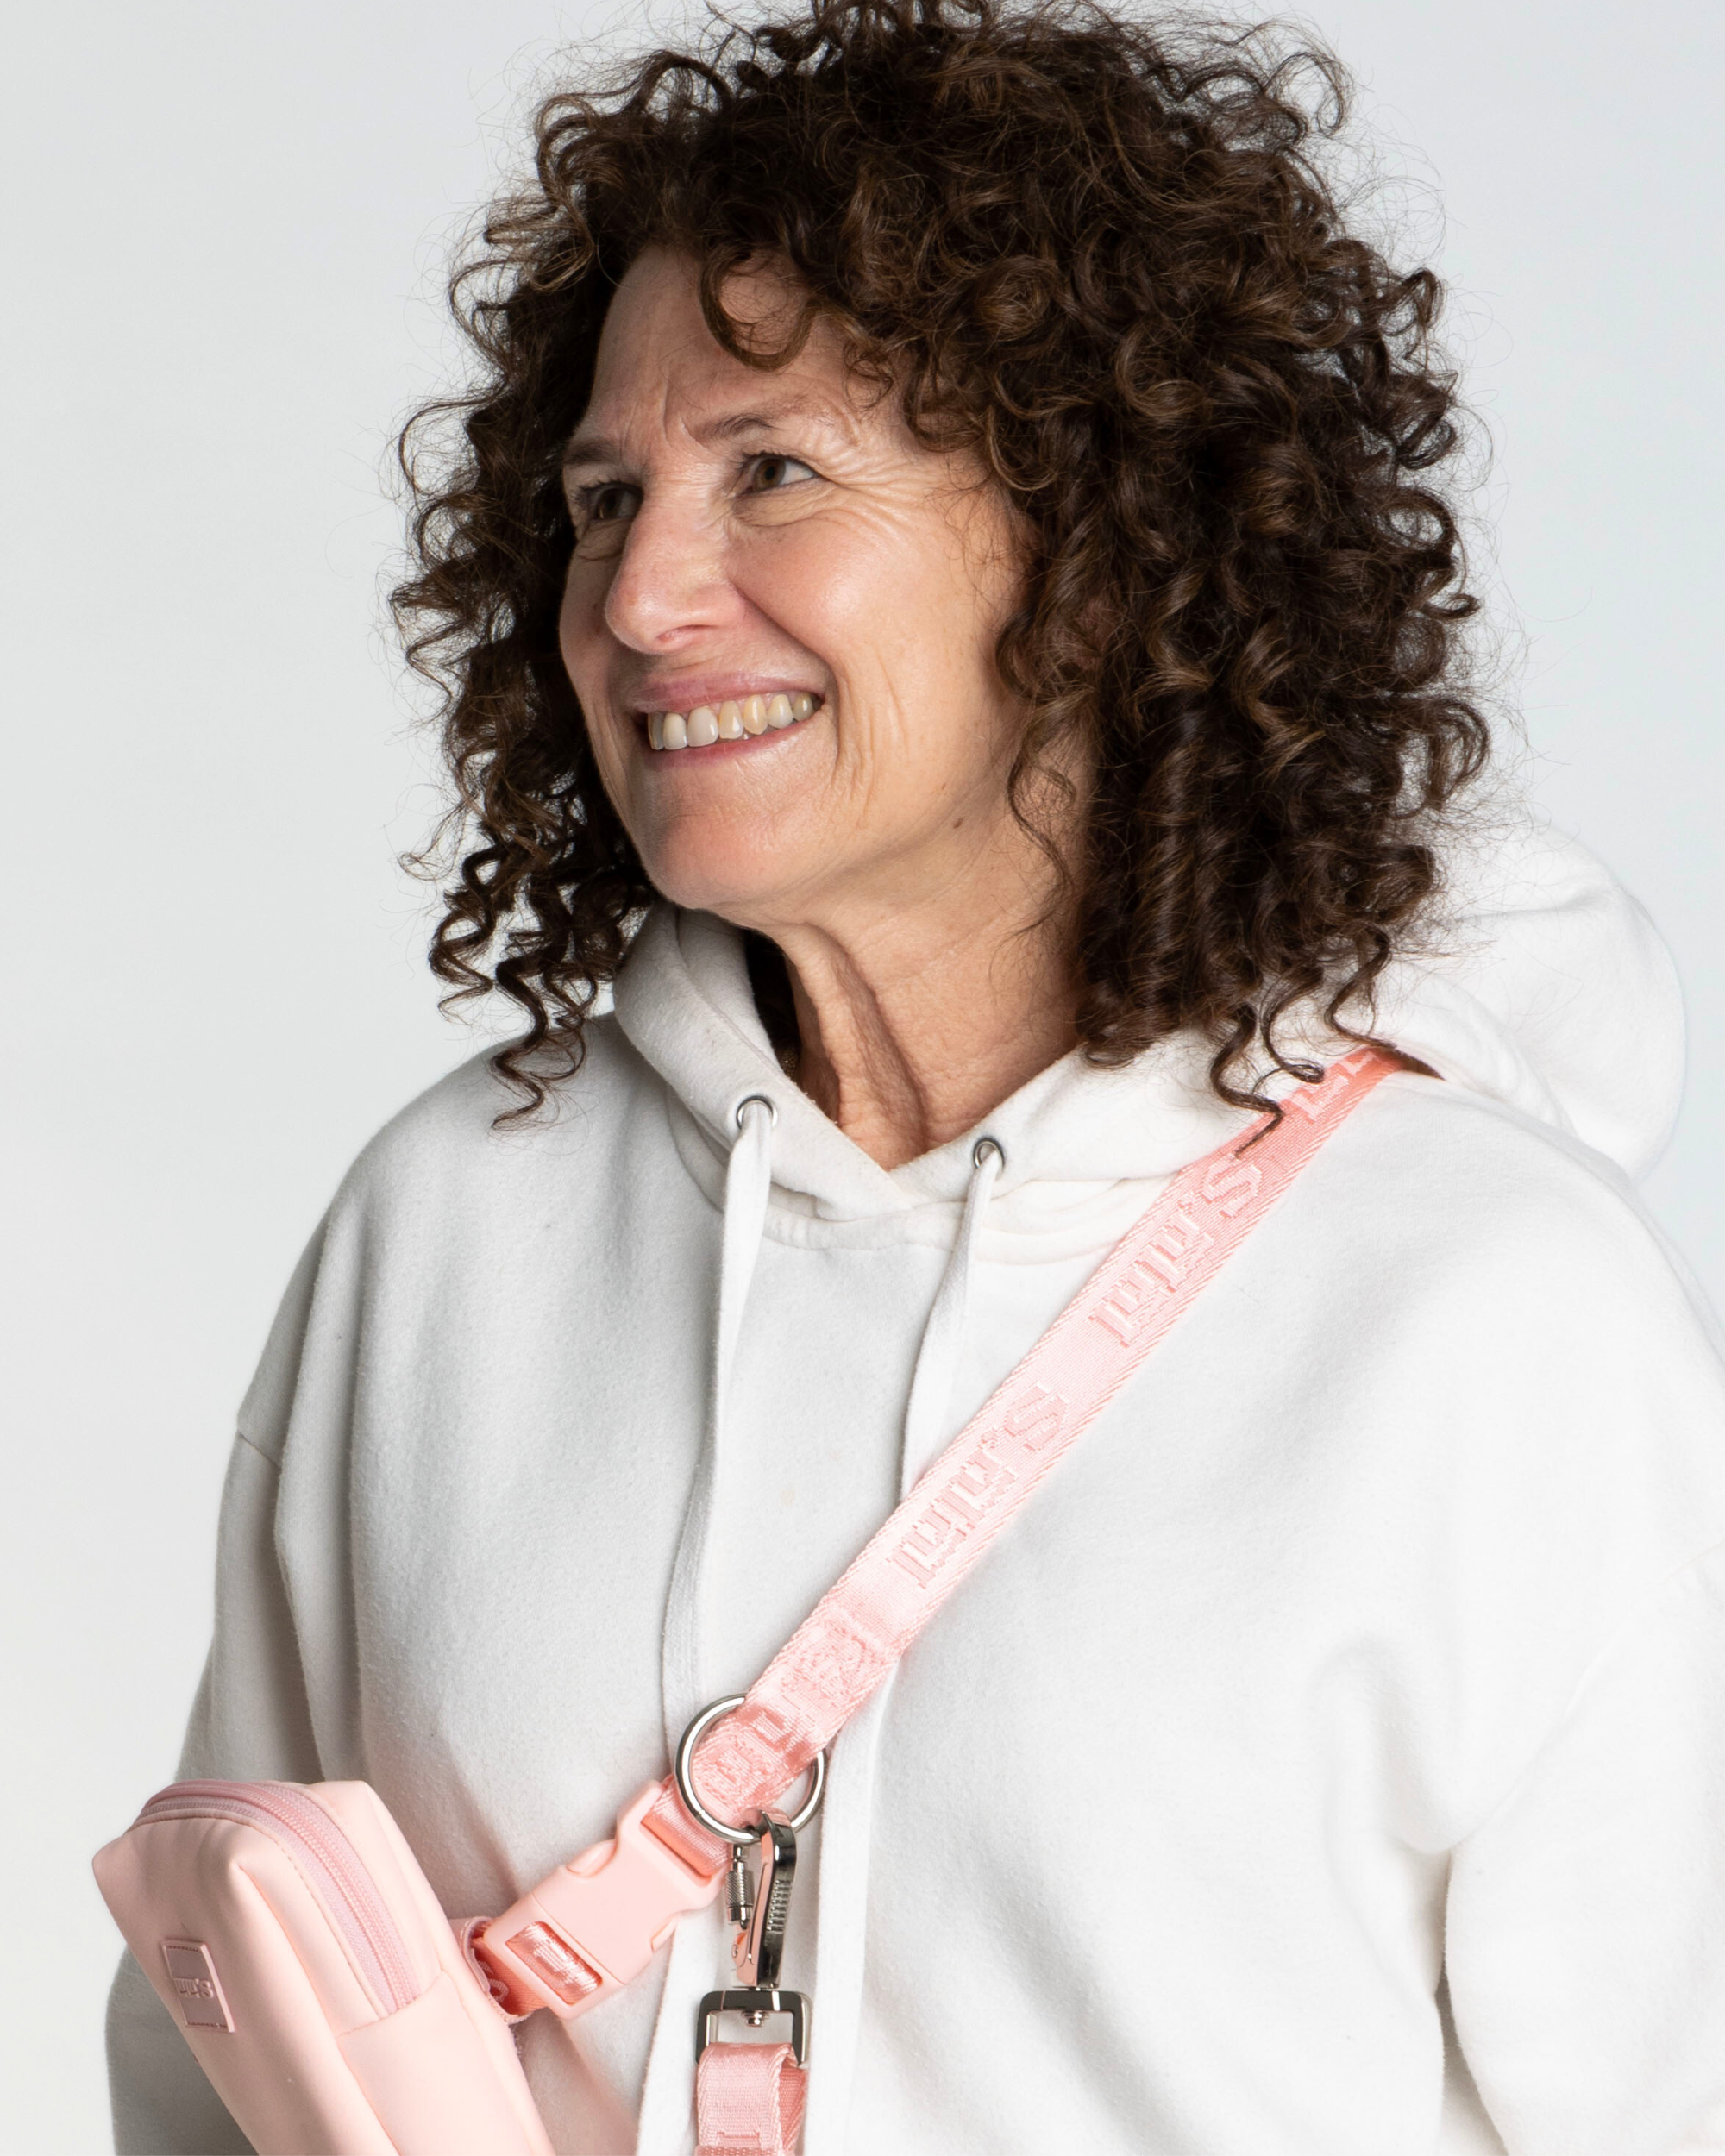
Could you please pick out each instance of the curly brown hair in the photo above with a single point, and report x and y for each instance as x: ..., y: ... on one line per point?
x: 1102, y: 255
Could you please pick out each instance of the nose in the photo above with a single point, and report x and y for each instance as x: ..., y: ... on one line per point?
x: 670, y: 585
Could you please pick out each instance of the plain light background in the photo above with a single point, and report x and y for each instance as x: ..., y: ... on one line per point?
x: 226, y: 231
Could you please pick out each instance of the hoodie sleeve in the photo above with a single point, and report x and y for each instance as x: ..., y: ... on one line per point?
x: 250, y: 1721
x: 1585, y: 1944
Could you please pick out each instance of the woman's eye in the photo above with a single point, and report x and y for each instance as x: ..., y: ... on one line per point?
x: 767, y: 475
x: 613, y: 504
x: 601, y: 516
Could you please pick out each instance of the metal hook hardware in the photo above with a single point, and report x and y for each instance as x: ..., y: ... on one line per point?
x: 760, y: 1946
x: 754, y: 2007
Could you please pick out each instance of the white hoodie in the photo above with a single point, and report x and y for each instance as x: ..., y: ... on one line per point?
x: 1329, y: 1761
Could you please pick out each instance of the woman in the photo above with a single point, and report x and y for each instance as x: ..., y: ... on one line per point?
x: 950, y: 611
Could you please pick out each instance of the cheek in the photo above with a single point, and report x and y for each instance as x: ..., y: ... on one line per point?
x: 581, y: 635
x: 580, y: 624
x: 905, y: 617
x: 581, y: 640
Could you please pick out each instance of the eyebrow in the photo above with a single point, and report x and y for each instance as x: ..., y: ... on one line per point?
x: 594, y: 449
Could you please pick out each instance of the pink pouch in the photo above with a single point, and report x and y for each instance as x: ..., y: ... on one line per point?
x: 322, y: 1989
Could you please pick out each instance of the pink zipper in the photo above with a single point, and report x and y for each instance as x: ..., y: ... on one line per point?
x: 331, y: 1865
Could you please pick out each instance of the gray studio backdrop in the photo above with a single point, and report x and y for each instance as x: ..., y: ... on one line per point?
x: 224, y: 232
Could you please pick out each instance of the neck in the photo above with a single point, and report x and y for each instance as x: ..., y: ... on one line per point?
x: 912, y: 1025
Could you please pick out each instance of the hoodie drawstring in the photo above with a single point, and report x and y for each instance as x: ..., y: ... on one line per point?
x: 942, y: 1337
x: 668, y: 2097
x: 667, y: 2103
x: 748, y: 1186
x: 847, y: 1817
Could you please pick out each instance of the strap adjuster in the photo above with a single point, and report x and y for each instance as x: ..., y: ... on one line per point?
x: 755, y: 2005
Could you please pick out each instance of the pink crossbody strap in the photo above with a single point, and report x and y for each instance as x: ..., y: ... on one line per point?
x: 595, y: 1923
x: 864, y: 1624
x: 749, y: 2100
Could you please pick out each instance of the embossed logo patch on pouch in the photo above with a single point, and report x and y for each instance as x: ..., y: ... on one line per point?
x: 196, y: 1986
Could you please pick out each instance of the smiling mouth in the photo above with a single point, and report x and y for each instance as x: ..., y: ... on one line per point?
x: 730, y: 721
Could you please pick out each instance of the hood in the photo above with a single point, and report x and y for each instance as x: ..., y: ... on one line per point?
x: 1540, y: 983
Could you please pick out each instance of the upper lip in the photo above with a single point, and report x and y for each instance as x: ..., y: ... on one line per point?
x: 696, y: 689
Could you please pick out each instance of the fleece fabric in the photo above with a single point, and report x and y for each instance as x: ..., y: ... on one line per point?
x: 1329, y: 1761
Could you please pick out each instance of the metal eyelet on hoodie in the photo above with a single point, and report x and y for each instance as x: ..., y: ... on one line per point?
x: 980, y: 1150
x: 748, y: 1100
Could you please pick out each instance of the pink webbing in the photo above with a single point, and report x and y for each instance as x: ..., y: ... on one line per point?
x: 749, y: 2097
x: 864, y: 1623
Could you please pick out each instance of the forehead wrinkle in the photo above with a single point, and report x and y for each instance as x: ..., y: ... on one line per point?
x: 768, y: 416
x: 589, y: 449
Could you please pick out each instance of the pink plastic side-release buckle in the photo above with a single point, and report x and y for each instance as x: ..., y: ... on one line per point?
x: 597, y: 1922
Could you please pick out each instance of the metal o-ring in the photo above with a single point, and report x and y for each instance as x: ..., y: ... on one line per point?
x: 983, y: 1147
x: 772, y: 1107
x: 738, y: 1837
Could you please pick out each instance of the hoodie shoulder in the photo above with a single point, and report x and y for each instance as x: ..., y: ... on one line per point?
x: 1535, y: 1335
x: 445, y: 1186
x: 1434, y: 1179
x: 465, y: 1125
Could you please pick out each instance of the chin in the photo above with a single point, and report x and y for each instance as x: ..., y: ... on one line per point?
x: 737, y: 880
x: 744, y: 854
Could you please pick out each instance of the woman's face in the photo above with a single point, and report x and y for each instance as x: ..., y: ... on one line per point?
x: 769, y: 569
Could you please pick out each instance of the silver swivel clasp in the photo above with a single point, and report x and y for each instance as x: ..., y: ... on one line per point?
x: 758, y: 1902
x: 759, y: 1945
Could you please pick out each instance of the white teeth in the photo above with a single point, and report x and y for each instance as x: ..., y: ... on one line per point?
x: 730, y: 721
